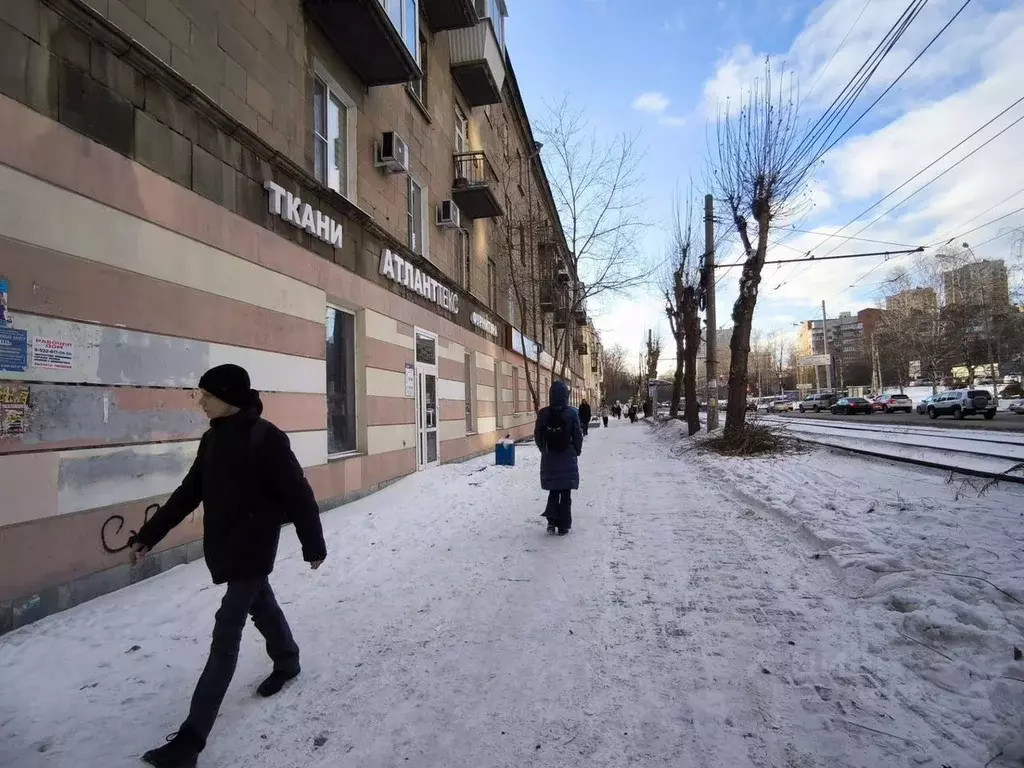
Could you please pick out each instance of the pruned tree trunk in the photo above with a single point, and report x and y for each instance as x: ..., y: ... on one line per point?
x: 691, y: 330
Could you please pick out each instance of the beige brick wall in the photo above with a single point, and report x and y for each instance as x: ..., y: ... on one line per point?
x: 247, y: 55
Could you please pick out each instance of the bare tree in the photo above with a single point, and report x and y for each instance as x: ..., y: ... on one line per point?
x: 597, y: 191
x: 681, y: 287
x: 758, y: 172
x: 617, y: 378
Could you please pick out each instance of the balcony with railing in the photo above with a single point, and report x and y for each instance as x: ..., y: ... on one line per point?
x: 366, y: 37
x: 449, y: 14
x: 579, y: 342
x: 478, y: 57
x: 475, y: 186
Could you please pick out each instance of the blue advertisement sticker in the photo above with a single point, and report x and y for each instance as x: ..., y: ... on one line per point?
x: 13, y: 350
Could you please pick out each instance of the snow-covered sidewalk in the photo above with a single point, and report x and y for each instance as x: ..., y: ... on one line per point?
x: 683, y: 622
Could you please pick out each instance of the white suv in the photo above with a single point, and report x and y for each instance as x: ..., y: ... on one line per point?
x: 962, y: 402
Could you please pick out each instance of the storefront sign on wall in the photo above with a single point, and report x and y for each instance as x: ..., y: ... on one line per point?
x: 483, y: 323
x: 525, y: 346
x: 13, y: 409
x: 13, y: 350
x: 398, y: 270
x: 290, y: 208
x: 410, y: 380
x: 53, y: 354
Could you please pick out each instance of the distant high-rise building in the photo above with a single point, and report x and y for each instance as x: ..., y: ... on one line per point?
x: 981, y: 283
x: 915, y: 299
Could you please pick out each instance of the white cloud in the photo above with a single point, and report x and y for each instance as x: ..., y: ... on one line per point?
x: 672, y: 121
x: 969, y: 76
x: 653, y: 102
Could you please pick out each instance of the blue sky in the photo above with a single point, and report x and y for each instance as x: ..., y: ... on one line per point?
x: 661, y: 67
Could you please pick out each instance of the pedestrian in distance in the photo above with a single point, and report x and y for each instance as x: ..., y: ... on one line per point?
x: 559, y: 438
x: 585, y: 416
x: 249, y: 483
x: 604, y: 415
x: 632, y: 414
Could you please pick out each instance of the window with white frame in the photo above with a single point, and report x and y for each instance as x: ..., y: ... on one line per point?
x: 418, y: 88
x: 461, y: 130
x: 341, y: 381
x: 463, y: 257
x: 492, y: 11
x: 405, y: 15
x: 417, y: 213
x: 334, y: 130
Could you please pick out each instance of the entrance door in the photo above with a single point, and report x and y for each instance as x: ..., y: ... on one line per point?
x: 427, y: 448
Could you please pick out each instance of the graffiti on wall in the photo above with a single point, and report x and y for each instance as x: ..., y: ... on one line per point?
x: 119, y: 521
x: 14, y: 404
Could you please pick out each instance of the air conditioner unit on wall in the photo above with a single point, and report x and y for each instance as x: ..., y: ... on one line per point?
x: 448, y: 215
x: 392, y: 153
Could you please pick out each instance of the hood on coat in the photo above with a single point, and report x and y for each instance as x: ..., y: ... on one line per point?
x: 559, y: 394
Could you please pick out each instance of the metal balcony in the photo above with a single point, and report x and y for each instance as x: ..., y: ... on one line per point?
x: 477, y: 63
x: 449, y: 14
x: 366, y: 38
x: 475, y: 185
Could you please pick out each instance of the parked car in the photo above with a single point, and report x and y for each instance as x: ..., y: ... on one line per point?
x: 764, y: 404
x: 781, y: 405
x: 876, y: 404
x: 922, y: 407
x: 959, y: 403
x: 850, y: 406
x: 895, y: 402
x: 1017, y: 406
x: 816, y: 403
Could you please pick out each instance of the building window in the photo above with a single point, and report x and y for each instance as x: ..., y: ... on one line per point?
x: 491, y: 10
x: 511, y: 305
x: 470, y: 421
x: 463, y: 257
x: 461, y: 131
x: 405, y: 15
x: 492, y: 293
x: 334, y: 127
x: 341, y: 381
x: 418, y: 88
x: 522, y: 244
x: 515, y: 390
x: 417, y: 213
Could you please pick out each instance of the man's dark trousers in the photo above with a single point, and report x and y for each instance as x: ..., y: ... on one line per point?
x: 559, y: 509
x: 243, y: 598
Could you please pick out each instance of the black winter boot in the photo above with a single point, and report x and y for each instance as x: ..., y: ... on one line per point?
x: 275, y: 682
x: 181, y: 751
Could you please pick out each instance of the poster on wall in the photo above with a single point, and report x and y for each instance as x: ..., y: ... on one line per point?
x: 13, y: 350
x: 5, y: 312
x: 13, y: 409
x: 410, y: 380
x: 53, y: 354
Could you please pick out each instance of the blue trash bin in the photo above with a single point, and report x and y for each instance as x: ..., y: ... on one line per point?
x: 505, y: 454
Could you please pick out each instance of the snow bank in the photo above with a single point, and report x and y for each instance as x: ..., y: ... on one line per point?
x: 936, y: 572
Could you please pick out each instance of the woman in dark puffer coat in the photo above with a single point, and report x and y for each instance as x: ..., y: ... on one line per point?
x: 559, y: 438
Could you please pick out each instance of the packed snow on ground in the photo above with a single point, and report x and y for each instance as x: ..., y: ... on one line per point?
x: 702, y: 613
x: 933, y: 574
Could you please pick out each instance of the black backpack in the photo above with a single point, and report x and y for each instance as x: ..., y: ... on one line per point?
x: 557, y: 430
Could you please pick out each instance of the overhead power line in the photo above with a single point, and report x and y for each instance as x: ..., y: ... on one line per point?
x: 899, y: 77
x: 919, y: 173
x: 828, y: 258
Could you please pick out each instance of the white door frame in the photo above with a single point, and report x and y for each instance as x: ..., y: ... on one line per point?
x: 426, y: 422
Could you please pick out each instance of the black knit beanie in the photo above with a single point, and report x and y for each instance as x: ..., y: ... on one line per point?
x: 230, y: 384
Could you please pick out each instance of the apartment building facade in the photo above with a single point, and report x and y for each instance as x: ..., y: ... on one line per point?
x: 312, y: 190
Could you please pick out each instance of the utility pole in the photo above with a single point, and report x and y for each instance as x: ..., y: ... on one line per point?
x: 712, y: 323
x: 824, y: 350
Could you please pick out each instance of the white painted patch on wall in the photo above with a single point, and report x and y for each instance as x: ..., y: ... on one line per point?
x: 116, y: 357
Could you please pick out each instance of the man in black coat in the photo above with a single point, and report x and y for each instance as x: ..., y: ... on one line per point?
x: 585, y: 415
x: 249, y: 483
